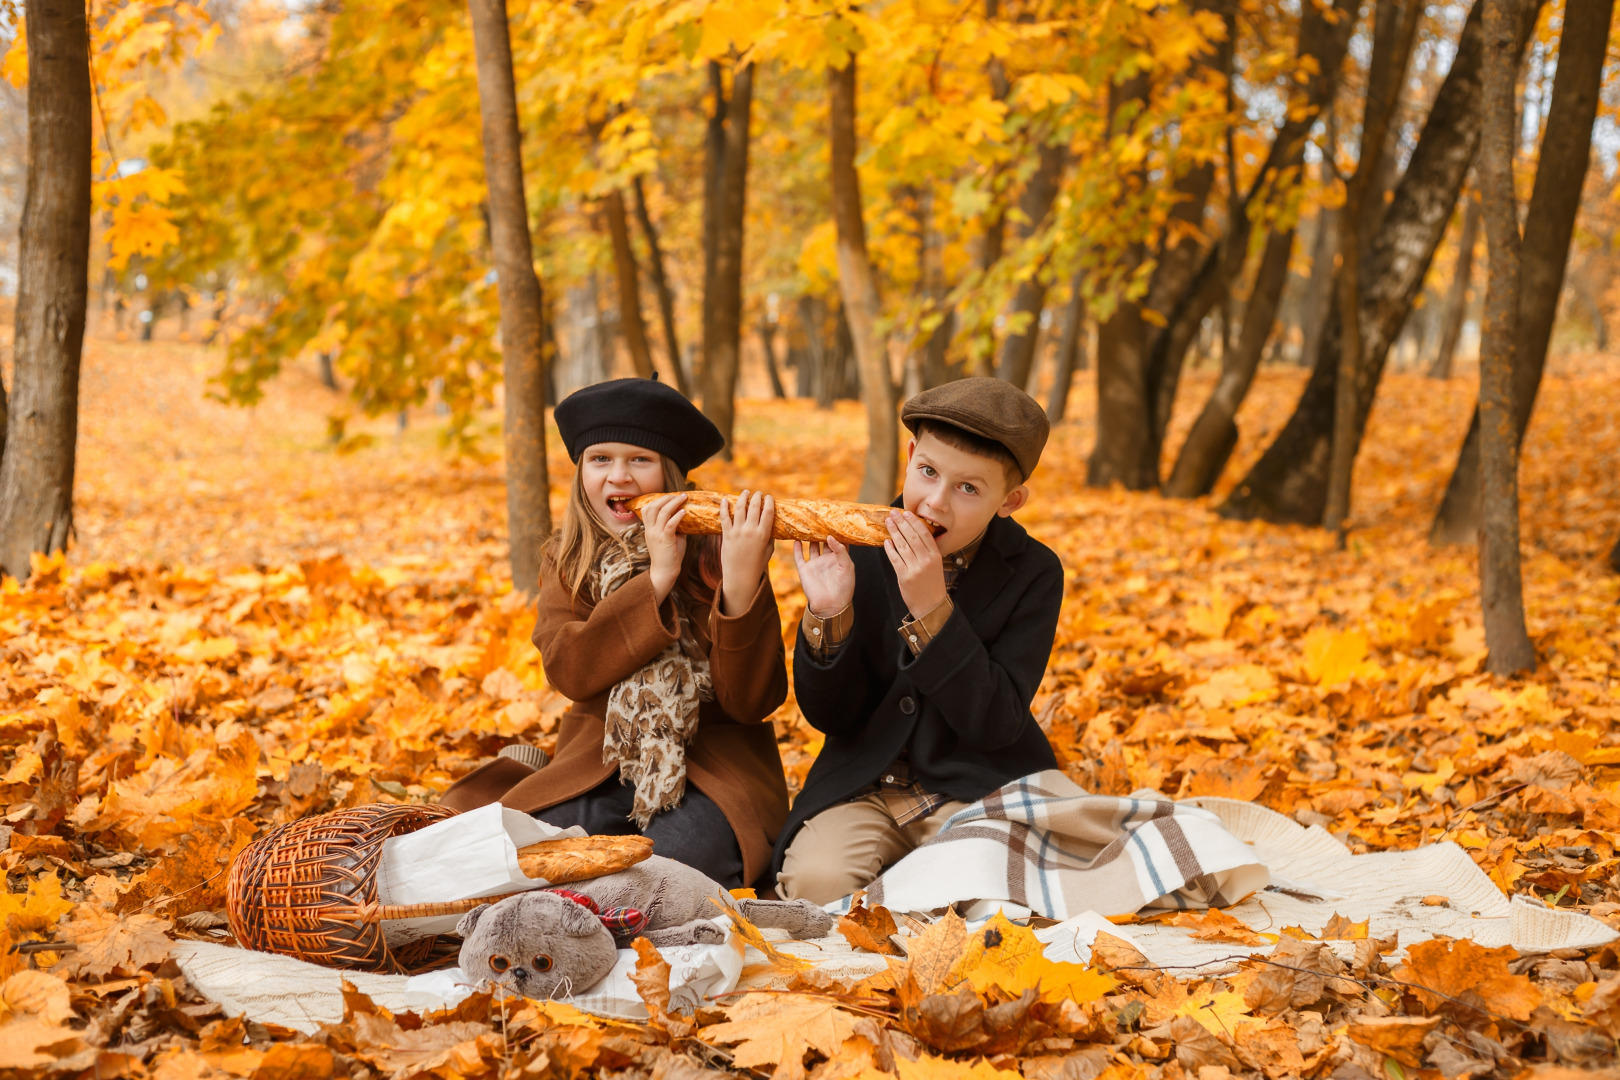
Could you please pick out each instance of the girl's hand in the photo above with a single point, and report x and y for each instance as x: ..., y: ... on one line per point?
x: 827, y: 575
x: 746, y: 546
x: 665, y: 547
x: 917, y: 563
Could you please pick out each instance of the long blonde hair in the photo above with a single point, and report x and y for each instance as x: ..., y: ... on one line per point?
x: 572, y: 549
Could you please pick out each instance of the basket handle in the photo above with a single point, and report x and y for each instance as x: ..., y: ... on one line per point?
x: 556, y: 862
x: 374, y: 912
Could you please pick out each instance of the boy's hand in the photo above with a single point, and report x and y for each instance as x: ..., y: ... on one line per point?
x: 917, y: 563
x: 827, y: 575
x: 746, y: 546
x: 665, y: 547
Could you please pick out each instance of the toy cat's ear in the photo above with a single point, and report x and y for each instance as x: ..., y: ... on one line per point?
x: 464, y: 928
x: 579, y: 921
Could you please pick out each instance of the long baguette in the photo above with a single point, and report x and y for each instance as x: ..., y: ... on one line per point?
x: 576, y: 858
x: 796, y: 519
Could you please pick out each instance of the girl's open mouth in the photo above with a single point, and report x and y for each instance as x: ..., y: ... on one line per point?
x: 619, y: 507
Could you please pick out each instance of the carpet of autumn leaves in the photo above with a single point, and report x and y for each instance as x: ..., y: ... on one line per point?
x: 253, y: 627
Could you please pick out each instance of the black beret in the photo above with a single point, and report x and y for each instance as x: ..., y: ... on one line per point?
x: 992, y: 409
x: 641, y: 412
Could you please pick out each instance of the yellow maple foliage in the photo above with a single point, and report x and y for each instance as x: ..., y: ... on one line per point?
x: 779, y: 1029
x: 1008, y: 959
x: 1467, y: 981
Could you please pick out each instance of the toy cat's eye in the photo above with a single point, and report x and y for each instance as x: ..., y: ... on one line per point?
x: 499, y: 963
x: 542, y: 963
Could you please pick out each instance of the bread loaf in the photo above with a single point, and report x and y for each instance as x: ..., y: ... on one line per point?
x: 796, y: 519
x: 578, y: 858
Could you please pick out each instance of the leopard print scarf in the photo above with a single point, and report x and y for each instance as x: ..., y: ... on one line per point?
x: 653, y: 713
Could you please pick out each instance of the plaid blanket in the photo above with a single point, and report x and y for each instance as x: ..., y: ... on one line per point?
x: 1045, y: 844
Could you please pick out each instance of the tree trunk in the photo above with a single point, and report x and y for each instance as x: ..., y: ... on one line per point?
x: 1548, y: 226
x: 714, y: 160
x: 1123, y: 410
x: 812, y: 376
x: 1018, y: 350
x: 1319, y: 289
x: 859, y: 289
x: 1395, y: 27
x: 1289, y: 482
x: 1179, y: 257
x: 660, y: 280
x: 767, y: 341
x: 1500, y: 585
x: 1324, y: 42
x: 995, y: 216
x: 624, y: 263
x: 722, y: 341
x: 1614, y: 556
x: 937, y: 370
x: 1456, y: 312
x: 1214, y: 434
x: 1071, y: 354
x: 53, y: 289
x: 528, y: 503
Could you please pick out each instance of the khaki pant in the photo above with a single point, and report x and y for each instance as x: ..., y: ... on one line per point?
x: 845, y: 847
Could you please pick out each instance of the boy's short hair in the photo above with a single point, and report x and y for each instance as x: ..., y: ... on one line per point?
x: 969, y: 443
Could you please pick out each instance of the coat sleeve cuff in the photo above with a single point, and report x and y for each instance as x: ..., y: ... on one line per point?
x: 736, y: 633
x: 949, y: 651
x: 646, y: 626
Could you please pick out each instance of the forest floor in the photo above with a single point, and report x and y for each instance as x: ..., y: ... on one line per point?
x: 253, y: 627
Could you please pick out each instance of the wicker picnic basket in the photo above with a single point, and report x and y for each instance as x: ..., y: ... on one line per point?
x: 308, y: 889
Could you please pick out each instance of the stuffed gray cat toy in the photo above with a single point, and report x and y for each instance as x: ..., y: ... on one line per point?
x: 543, y: 944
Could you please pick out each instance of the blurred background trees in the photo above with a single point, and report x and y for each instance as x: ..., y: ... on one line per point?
x: 817, y: 199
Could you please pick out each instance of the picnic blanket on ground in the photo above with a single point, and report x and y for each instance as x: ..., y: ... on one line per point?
x: 1043, y: 843
x: 296, y: 994
x: 1010, y: 853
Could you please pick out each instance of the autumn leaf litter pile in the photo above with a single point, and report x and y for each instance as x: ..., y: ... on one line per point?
x: 158, y: 715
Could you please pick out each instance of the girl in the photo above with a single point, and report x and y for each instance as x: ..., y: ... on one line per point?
x: 670, y: 648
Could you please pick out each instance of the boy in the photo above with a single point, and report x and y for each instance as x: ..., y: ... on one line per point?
x: 918, y: 662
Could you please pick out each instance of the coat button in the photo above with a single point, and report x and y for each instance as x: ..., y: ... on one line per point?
x: 908, y: 705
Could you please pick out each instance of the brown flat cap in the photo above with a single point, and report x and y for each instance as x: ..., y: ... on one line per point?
x: 992, y: 409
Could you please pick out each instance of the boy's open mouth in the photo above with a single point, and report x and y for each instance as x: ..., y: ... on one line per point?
x: 938, y: 529
x: 619, y: 507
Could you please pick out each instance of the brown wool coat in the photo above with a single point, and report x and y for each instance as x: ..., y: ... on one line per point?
x: 586, y: 650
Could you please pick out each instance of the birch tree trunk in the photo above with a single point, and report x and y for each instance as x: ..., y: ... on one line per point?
x: 858, y: 286
x: 1500, y: 583
x: 1549, y: 224
x: 53, y: 288
x: 528, y: 502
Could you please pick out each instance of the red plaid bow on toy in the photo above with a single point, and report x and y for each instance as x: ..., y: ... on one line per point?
x: 623, y: 923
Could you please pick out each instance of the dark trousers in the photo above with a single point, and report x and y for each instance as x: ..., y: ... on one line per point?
x: 695, y: 832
